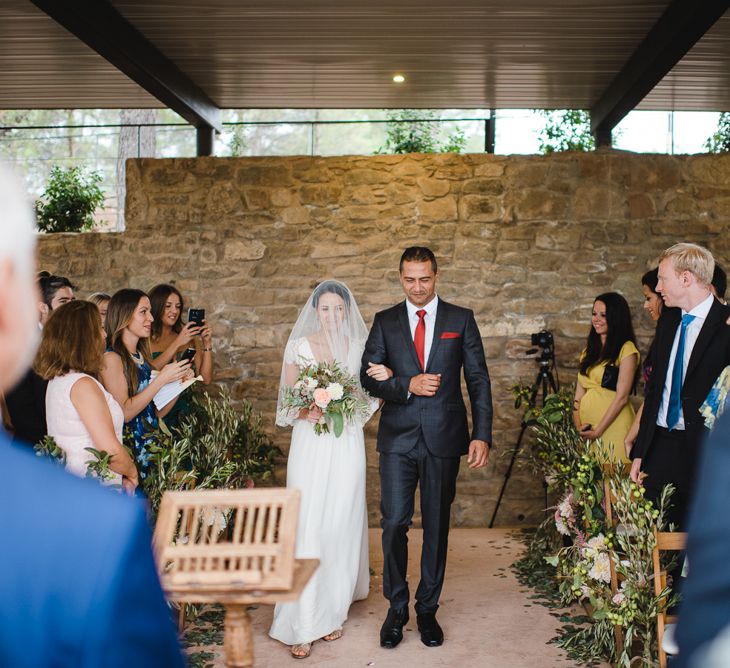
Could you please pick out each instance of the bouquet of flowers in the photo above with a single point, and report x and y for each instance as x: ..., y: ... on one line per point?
x: 337, y: 393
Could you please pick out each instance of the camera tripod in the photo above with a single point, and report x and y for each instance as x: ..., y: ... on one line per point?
x: 545, y: 381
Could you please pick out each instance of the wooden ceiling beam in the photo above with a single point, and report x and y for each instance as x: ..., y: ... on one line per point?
x: 101, y: 27
x: 680, y: 27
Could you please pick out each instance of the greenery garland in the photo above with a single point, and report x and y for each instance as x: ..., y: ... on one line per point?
x: 580, y: 571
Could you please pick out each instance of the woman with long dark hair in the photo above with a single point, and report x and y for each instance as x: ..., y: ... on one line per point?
x: 127, y: 371
x: 608, y: 364
x: 170, y: 338
x: 653, y: 305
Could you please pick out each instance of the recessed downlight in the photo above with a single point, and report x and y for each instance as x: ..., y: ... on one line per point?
x: 398, y: 78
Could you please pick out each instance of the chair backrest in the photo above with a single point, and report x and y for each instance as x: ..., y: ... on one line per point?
x: 218, y: 539
x: 666, y: 541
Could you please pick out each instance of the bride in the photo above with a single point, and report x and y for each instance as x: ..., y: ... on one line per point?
x: 330, y: 473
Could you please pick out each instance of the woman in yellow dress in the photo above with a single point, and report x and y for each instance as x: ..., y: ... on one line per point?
x: 601, y: 409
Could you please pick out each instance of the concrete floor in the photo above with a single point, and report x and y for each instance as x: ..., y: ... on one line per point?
x: 488, y: 620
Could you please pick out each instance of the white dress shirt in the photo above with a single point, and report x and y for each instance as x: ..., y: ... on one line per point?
x: 429, y: 319
x: 690, y: 338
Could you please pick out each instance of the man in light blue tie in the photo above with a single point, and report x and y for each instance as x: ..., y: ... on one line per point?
x: 692, y: 348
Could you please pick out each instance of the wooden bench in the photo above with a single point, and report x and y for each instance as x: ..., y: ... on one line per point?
x: 234, y: 547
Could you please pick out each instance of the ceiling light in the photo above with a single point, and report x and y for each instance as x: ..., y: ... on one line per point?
x: 399, y: 78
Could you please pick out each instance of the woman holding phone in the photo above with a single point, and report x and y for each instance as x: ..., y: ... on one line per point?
x: 171, y: 340
x: 127, y: 370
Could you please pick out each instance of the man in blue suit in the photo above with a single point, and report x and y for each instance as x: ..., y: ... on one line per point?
x: 78, y: 584
x: 704, y: 612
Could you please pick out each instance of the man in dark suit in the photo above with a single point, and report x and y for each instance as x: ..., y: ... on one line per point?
x: 423, y: 431
x: 26, y: 402
x: 704, y: 612
x: 78, y: 584
x: 692, y: 347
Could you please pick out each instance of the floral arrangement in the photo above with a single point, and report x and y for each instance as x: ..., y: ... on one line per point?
x: 337, y: 393
x: 605, y: 566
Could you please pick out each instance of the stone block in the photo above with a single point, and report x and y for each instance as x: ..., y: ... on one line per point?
x: 433, y: 187
x: 436, y: 210
x: 480, y: 208
x: 244, y: 250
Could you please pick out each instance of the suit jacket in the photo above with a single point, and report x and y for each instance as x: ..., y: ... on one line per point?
x: 26, y: 404
x: 78, y: 584
x: 705, y: 607
x: 441, y: 418
x: 710, y: 355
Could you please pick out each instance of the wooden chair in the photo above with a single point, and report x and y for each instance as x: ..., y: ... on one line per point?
x: 234, y: 547
x: 666, y: 541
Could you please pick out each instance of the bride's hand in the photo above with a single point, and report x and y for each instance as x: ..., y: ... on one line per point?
x: 379, y: 371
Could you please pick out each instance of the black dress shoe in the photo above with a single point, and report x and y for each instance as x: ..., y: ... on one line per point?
x: 391, y: 633
x: 431, y: 633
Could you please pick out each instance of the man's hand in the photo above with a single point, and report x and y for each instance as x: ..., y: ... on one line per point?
x: 635, y: 474
x: 425, y: 384
x: 478, y: 454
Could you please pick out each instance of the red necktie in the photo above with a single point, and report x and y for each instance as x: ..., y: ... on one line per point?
x: 419, y: 338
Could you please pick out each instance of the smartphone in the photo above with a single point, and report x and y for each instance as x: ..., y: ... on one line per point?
x: 188, y: 354
x: 196, y: 315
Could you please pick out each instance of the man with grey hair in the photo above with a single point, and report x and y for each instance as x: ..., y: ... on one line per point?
x: 692, y: 347
x: 78, y: 583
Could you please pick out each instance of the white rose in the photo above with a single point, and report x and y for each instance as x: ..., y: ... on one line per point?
x: 335, y: 390
x: 312, y: 383
x: 601, y: 569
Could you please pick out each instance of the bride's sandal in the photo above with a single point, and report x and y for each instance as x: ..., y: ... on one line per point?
x: 301, y: 651
x: 335, y: 635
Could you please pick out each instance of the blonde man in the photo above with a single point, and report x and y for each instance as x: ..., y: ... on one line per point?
x: 692, y: 347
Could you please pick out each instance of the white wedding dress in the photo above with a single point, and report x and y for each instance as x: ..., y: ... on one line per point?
x: 330, y: 472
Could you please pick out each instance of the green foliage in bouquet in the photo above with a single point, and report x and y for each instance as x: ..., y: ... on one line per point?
x: 100, y: 466
x: 214, y: 446
x: 335, y: 391
x: 47, y: 447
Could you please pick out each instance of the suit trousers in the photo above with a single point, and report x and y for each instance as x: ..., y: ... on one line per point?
x: 672, y: 458
x: 399, y: 476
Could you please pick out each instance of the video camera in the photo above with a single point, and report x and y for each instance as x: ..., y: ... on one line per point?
x: 544, y: 339
x: 545, y: 353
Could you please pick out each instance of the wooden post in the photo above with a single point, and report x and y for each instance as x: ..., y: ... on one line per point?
x: 238, y: 637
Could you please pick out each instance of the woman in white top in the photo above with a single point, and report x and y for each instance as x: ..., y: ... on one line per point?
x: 80, y: 413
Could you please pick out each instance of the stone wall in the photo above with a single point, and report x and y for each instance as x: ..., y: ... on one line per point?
x: 527, y: 242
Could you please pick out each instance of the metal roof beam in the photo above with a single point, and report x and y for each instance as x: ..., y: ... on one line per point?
x: 100, y: 26
x: 678, y: 29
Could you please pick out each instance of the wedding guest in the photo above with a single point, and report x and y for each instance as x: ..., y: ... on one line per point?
x: 101, y: 299
x: 127, y: 371
x: 692, y: 347
x: 55, y: 291
x: 601, y: 408
x: 170, y: 338
x: 78, y: 583
x: 26, y: 402
x: 80, y: 413
x: 653, y: 305
x: 704, y: 611
x: 718, y: 287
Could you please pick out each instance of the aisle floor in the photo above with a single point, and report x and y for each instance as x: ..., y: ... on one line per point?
x: 487, y: 617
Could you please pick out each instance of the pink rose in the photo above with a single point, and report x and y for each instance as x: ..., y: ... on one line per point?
x: 322, y: 397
